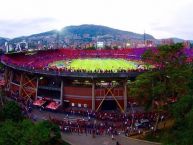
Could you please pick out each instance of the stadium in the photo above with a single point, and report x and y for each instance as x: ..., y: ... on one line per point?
x: 61, y: 78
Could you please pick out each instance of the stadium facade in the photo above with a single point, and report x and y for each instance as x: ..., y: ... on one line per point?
x: 27, y: 75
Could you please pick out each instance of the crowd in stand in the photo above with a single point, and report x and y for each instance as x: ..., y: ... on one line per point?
x: 41, y: 59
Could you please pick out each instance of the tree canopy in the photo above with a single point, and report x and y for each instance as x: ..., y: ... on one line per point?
x: 16, y: 130
x: 12, y: 111
x: 171, y: 78
x: 28, y: 133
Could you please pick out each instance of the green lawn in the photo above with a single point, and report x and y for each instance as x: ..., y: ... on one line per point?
x: 96, y: 64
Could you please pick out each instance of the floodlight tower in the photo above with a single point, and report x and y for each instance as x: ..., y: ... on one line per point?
x: 57, y: 39
x: 144, y: 38
x: 58, y: 31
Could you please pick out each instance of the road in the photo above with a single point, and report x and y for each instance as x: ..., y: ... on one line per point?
x: 83, y: 139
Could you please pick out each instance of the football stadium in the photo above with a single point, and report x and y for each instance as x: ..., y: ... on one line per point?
x: 62, y: 78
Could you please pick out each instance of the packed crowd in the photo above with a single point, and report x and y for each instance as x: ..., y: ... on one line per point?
x: 108, y: 123
x: 41, y: 59
x: 84, y: 120
x: 95, y: 71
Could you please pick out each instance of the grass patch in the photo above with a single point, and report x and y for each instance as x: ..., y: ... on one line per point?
x: 96, y: 64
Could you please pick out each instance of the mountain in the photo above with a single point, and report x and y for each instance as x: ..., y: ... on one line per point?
x: 81, y: 34
x: 191, y: 41
x: 97, y: 30
x: 78, y: 35
x: 3, y: 40
x: 177, y: 40
x: 89, y: 31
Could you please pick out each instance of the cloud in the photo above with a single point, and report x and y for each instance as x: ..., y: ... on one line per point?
x: 14, y: 28
x: 161, y: 18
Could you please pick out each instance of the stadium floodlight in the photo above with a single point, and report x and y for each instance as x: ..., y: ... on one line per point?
x: 41, y: 78
x: 128, y: 44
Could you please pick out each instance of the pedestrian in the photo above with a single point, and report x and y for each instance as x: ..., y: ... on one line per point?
x: 112, y: 137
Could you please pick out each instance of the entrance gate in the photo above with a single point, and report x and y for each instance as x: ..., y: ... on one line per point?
x: 109, y: 92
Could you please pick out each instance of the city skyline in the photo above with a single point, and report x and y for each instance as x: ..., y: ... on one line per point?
x: 160, y: 18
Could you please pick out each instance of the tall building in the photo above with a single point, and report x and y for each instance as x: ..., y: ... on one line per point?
x: 168, y: 41
x: 186, y: 44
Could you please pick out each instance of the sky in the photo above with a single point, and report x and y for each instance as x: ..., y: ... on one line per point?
x: 160, y: 18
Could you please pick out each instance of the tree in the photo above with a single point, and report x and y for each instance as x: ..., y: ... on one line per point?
x: 54, y: 130
x: 171, y: 78
x: 9, y: 133
x: 182, y: 131
x: 107, y: 47
x: 91, y: 48
x: 12, y: 111
x: 16, y: 130
x: 26, y: 132
x: 3, y: 98
x: 115, y: 47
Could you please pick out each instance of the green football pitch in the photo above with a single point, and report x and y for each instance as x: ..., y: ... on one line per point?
x: 96, y: 64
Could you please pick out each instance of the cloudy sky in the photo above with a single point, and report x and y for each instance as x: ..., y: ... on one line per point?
x: 161, y: 18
